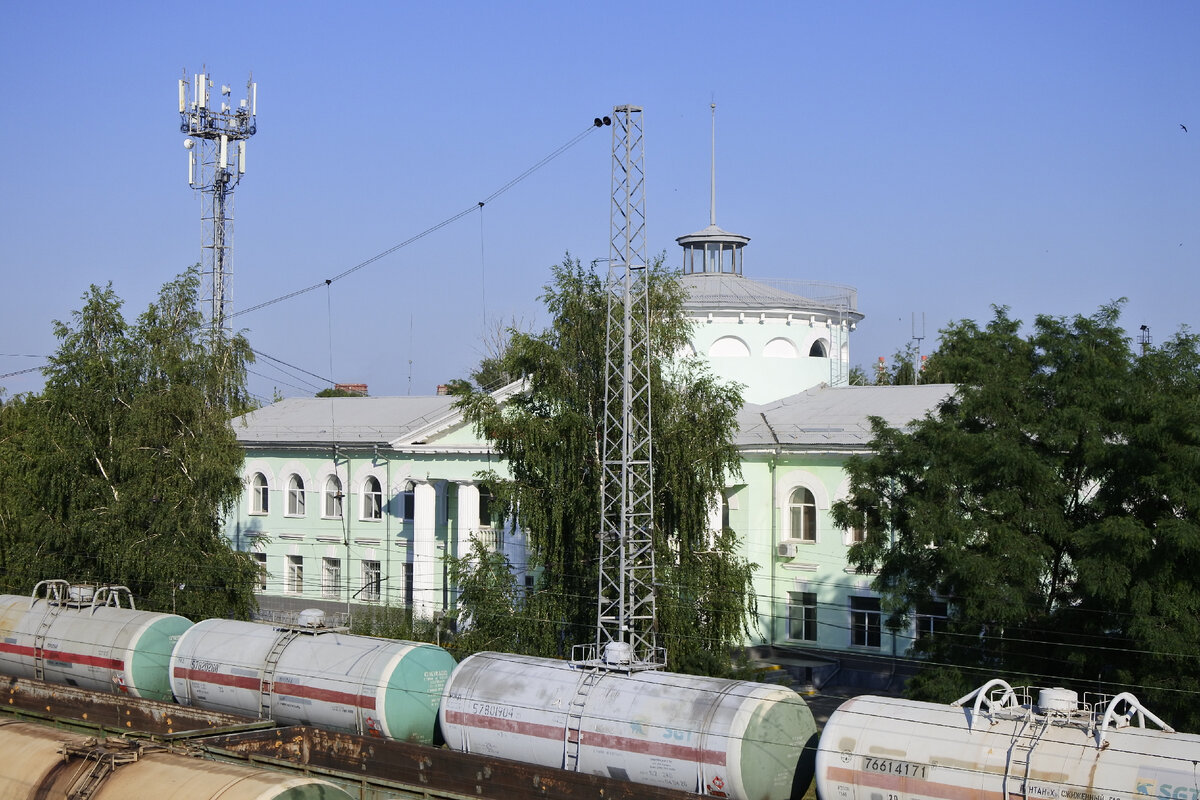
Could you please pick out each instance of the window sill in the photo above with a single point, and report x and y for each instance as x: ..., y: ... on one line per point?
x: 259, y: 513
x: 800, y: 567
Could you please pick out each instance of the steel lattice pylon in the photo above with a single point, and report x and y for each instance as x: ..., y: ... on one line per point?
x: 626, y: 605
x: 216, y: 144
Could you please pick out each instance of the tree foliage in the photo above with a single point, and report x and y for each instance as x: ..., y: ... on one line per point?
x: 121, y: 469
x: 549, y: 436
x: 1054, y: 501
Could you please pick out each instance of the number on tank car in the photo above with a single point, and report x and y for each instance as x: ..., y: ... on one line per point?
x: 891, y: 766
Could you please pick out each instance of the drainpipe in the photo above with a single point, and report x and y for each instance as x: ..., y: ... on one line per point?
x: 387, y: 539
x: 774, y: 532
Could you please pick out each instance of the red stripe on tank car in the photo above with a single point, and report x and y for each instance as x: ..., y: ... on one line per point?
x: 218, y: 678
x: 602, y: 740
x: 58, y: 655
x: 325, y: 695
x: 286, y: 689
x: 908, y: 785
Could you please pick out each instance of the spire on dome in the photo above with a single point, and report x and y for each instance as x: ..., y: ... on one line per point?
x: 713, y: 250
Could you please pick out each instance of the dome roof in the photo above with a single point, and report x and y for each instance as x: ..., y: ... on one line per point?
x: 724, y: 292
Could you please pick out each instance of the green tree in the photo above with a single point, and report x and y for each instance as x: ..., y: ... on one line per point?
x: 120, y: 471
x: 1053, y: 502
x: 549, y: 436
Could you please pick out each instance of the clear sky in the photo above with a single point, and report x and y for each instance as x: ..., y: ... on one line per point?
x: 940, y: 157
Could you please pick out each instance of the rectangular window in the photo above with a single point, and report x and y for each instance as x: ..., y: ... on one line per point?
x: 409, y: 502
x: 331, y: 577
x: 931, y: 619
x: 865, y: 621
x: 408, y: 585
x: 802, y: 616
x: 261, y: 559
x: 370, y: 582
x: 295, y: 574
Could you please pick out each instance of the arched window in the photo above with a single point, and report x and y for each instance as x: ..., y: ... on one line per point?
x: 729, y: 347
x: 372, y: 501
x: 802, y: 515
x: 259, y: 494
x: 295, y: 498
x: 817, y: 350
x: 333, y: 497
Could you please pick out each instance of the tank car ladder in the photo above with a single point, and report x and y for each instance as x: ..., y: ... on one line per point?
x: 56, y: 593
x: 103, y: 763
x: 1020, y: 755
x: 268, y: 674
x: 571, y: 735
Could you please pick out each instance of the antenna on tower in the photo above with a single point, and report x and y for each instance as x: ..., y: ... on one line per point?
x: 216, y: 144
x: 626, y: 622
x: 919, y: 336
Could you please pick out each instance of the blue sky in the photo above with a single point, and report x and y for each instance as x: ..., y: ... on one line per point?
x: 939, y: 157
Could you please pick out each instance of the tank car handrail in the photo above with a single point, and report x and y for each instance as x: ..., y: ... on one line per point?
x: 111, y: 596
x: 1135, y: 707
x: 55, y: 590
x: 1007, y: 700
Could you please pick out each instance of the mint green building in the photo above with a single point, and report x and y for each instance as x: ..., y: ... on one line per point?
x: 356, y: 501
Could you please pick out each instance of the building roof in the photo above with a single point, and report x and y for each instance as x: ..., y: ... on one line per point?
x: 712, y: 234
x: 712, y: 291
x: 835, y: 417
x: 349, y: 420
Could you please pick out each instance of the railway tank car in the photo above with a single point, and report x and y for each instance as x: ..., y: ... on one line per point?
x: 724, y: 738
x: 90, y: 637
x: 41, y: 762
x: 324, y: 678
x: 998, y: 744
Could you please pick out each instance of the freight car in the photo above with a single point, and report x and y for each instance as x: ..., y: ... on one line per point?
x: 298, y: 676
x: 998, y: 744
x: 41, y: 762
x: 88, y: 636
x: 724, y: 738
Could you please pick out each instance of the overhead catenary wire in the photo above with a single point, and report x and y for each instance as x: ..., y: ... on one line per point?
x: 478, y: 206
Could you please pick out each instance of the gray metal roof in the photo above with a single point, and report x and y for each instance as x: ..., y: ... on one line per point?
x: 835, y: 417
x: 348, y: 420
x: 712, y: 291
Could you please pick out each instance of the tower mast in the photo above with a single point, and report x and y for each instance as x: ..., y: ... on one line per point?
x: 626, y: 620
x: 216, y: 144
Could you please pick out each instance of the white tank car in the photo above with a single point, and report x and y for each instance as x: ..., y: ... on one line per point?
x: 43, y: 762
x: 325, y: 678
x: 996, y: 744
x: 724, y: 738
x: 90, y: 637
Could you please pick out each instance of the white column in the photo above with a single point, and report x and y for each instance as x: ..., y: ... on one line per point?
x: 468, y: 517
x: 425, y: 561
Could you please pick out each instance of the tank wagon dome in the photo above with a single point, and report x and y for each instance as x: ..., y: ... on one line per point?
x: 733, y: 739
x: 998, y: 743
x: 45, y: 762
x: 329, y: 679
x: 87, y: 636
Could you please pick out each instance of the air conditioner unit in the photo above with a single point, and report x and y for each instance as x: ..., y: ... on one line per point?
x: 786, y: 549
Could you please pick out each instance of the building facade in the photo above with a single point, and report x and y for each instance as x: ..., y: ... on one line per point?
x: 357, y: 501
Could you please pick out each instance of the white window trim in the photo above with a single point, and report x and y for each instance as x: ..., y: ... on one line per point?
x: 363, y: 499
x: 252, y: 509
x: 288, y: 505
x: 325, y: 495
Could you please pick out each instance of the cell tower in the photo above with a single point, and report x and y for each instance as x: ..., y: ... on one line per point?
x: 216, y: 144
x: 626, y: 621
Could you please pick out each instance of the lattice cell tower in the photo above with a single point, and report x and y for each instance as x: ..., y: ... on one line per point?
x: 626, y: 624
x: 217, y: 132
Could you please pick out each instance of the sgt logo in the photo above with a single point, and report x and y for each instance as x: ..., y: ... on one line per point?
x: 1170, y: 787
